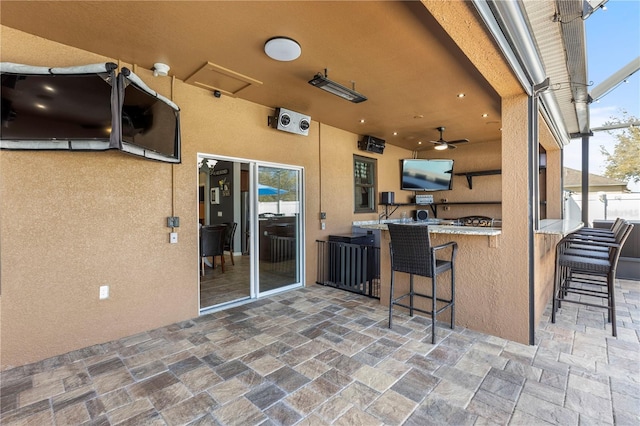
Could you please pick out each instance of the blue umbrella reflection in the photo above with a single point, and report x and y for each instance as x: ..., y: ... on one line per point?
x: 269, y: 190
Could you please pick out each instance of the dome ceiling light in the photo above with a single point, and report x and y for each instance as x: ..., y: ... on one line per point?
x: 282, y: 49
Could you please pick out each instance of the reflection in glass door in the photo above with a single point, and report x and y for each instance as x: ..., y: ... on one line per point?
x: 280, y: 233
x: 263, y: 204
x: 224, y: 203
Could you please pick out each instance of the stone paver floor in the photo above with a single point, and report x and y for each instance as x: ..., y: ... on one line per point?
x: 318, y: 356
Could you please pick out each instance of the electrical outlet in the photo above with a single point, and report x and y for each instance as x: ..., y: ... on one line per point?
x: 173, y: 237
x: 104, y: 292
x: 323, y: 226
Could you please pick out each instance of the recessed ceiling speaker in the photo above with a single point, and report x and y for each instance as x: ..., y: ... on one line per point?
x: 291, y: 121
x: 422, y: 215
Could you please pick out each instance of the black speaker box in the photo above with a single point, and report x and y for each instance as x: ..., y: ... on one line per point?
x: 422, y: 215
x: 387, y: 197
x: 371, y: 144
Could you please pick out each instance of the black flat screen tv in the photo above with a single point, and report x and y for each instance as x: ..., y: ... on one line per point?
x: 426, y: 175
x: 86, y: 108
x: 150, y: 123
x: 58, y: 108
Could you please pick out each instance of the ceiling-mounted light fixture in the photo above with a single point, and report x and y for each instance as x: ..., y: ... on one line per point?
x: 441, y: 147
x: 322, y: 82
x: 282, y: 49
x: 160, y: 69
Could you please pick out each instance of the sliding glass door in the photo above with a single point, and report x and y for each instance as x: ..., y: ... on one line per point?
x: 261, y: 206
x: 280, y: 231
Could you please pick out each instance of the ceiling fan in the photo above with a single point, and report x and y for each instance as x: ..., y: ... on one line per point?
x: 442, y: 144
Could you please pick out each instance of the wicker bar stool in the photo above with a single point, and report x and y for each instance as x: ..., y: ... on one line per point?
x: 412, y: 253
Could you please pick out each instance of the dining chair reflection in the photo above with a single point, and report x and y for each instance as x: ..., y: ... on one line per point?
x: 212, y: 239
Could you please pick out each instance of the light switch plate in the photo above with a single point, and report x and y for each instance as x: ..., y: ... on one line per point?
x: 104, y: 292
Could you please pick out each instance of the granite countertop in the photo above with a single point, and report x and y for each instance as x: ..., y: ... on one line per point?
x: 437, y: 229
x: 559, y: 226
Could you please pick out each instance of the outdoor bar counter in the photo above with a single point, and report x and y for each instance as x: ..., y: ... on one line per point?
x: 490, y: 297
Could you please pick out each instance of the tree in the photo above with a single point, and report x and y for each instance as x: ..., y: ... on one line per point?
x: 624, y: 163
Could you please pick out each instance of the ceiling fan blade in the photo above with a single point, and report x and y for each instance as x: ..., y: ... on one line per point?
x: 458, y: 141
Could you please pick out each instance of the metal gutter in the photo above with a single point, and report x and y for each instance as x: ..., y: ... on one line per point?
x: 505, y: 20
x: 570, y: 16
x: 487, y: 15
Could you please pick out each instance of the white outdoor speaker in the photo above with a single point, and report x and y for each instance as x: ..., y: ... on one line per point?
x: 291, y: 121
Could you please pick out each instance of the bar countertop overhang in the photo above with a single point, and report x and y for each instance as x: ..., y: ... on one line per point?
x: 437, y: 228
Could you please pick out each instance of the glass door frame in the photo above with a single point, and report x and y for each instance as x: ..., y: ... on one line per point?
x: 300, y: 237
x: 254, y: 274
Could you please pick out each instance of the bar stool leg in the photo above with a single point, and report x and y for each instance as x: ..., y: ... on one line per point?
x: 453, y: 299
x: 391, y: 299
x: 612, y: 302
x: 433, y: 309
x: 410, y: 295
x: 556, y: 285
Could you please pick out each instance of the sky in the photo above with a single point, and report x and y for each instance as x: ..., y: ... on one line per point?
x: 613, y: 40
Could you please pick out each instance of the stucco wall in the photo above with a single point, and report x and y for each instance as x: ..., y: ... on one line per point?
x: 545, y: 254
x: 515, y: 226
x: 71, y: 222
x: 472, y: 158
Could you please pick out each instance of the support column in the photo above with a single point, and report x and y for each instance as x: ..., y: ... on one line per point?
x: 516, y: 213
x: 585, y: 180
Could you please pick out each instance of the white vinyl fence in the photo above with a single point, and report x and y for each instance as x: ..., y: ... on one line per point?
x: 603, y: 206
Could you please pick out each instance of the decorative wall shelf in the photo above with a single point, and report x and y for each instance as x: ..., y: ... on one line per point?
x: 434, y: 206
x: 471, y: 175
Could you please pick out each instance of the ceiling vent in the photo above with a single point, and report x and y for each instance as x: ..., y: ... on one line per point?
x: 290, y: 121
x: 216, y: 78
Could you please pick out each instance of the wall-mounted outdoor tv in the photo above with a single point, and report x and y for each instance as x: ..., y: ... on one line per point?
x: 58, y: 108
x: 150, y: 123
x: 426, y: 175
x: 86, y: 108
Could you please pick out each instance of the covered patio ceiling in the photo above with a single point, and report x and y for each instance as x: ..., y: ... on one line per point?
x: 394, y: 52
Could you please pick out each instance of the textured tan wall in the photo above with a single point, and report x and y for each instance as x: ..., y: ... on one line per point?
x: 472, y: 158
x: 545, y: 246
x: 459, y: 19
x: 71, y: 222
x: 515, y: 228
x: 512, y: 303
